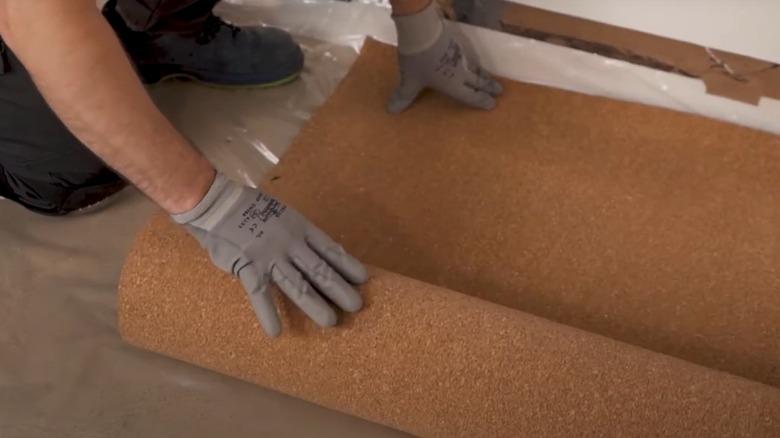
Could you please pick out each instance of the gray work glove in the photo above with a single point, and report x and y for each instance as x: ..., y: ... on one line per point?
x: 432, y: 54
x: 260, y: 240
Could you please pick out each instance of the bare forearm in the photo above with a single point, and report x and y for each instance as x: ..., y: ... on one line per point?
x: 80, y: 68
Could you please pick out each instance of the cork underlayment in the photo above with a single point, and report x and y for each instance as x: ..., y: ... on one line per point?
x: 651, y: 227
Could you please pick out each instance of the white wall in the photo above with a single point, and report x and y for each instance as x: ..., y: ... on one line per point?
x: 748, y: 27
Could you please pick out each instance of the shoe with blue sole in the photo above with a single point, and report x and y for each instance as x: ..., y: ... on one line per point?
x: 220, y: 54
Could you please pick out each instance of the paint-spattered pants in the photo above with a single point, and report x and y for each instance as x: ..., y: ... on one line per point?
x: 37, y: 152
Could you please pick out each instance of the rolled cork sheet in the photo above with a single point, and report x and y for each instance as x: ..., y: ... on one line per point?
x: 628, y: 224
x: 430, y: 361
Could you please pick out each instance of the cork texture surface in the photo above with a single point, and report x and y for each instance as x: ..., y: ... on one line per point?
x: 649, y: 226
x: 430, y: 361
x: 616, y: 223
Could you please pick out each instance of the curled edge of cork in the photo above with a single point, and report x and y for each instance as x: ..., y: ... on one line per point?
x: 427, y: 360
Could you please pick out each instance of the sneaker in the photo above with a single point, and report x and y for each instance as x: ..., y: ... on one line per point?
x: 74, y: 199
x: 219, y: 55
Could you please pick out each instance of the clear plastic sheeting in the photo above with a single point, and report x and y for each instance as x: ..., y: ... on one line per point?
x: 64, y: 372
x: 527, y: 60
x: 245, y: 132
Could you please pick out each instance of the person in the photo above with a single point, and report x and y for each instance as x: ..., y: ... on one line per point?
x: 77, y: 126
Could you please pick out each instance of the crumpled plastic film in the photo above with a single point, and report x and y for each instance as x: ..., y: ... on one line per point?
x: 526, y: 60
x: 244, y: 132
x: 334, y: 21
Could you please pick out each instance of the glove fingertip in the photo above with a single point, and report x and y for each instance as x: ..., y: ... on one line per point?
x: 272, y: 330
x: 485, y: 81
x: 354, y: 271
x: 345, y: 264
x: 404, y: 95
x: 485, y: 102
x: 331, y: 320
x: 269, y: 321
x: 354, y: 304
x: 323, y: 316
x: 497, y: 88
x: 398, y: 105
x: 358, y: 272
x: 265, y: 308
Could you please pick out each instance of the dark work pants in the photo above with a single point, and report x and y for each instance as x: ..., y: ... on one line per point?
x: 39, y: 157
x: 165, y: 15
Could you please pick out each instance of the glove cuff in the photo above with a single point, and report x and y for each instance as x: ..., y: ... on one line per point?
x: 418, y: 32
x: 222, y: 194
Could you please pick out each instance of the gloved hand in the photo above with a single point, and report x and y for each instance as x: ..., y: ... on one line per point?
x: 257, y: 238
x: 431, y: 54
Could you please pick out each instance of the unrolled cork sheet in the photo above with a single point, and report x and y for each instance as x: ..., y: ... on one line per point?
x: 645, y: 225
x: 649, y: 227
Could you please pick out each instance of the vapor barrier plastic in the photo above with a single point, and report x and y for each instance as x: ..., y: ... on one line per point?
x: 523, y: 59
x: 64, y: 372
